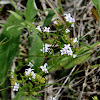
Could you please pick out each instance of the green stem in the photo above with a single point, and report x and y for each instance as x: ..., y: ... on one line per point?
x: 61, y: 9
x: 14, y: 5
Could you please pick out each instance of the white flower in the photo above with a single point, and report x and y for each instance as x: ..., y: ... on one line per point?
x: 44, y: 69
x: 72, y: 25
x: 33, y: 75
x: 67, y: 30
x: 29, y: 72
x: 55, y: 22
x: 63, y: 51
x: 70, y: 52
x: 16, y: 87
x: 66, y: 46
x: 74, y: 56
x: 69, y: 18
x: 46, y: 29
x: 75, y: 40
x: 66, y: 50
x: 45, y: 48
x: 30, y: 64
x: 52, y: 98
x: 38, y: 27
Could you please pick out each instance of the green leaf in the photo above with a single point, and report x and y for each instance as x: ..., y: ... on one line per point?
x: 34, y: 53
x: 54, y: 63
x: 95, y: 2
x: 49, y: 18
x: 97, y: 5
x: 97, y: 65
x: 10, y: 27
x: 16, y: 15
x: 30, y: 11
x: 21, y: 96
x: 9, y: 48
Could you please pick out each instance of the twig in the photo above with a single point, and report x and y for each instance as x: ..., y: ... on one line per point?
x: 12, y: 69
x: 37, y: 9
x: 75, y: 18
x: 65, y: 81
x: 84, y: 84
x: 43, y: 3
x: 55, y: 11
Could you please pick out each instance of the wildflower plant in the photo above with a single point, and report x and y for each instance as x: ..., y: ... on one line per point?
x: 49, y: 50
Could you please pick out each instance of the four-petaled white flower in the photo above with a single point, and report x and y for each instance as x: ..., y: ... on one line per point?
x: 44, y: 69
x: 69, y: 52
x: 16, y: 87
x: 72, y: 25
x: 29, y: 72
x: 33, y: 75
x: 67, y: 30
x: 46, y: 29
x: 69, y: 18
x: 74, y: 56
x: 38, y: 27
x: 75, y: 40
x: 63, y: 51
x: 30, y: 64
x: 55, y: 22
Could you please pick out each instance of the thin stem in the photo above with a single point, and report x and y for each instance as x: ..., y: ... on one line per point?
x: 65, y: 81
x: 14, y: 4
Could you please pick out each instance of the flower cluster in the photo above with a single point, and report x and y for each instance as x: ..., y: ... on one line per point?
x: 29, y: 72
x: 45, y: 48
x: 16, y: 87
x: 75, y: 40
x: 45, y: 29
x: 69, y: 19
x: 44, y: 69
x: 67, y: 50
x: 67, y: 30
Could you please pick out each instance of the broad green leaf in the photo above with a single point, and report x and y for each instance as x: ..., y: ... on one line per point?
x: 30, y: 11
x: 54, y: 63
x: 21, y: 96
x: 9, y: 48
x: 49, y: 18
x: 34, y: 53
x: 95, y: 2
x: 68, y: 62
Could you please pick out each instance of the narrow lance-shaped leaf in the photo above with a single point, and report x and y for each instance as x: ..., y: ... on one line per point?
x: 49, y: 18
x: 30, y: 11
